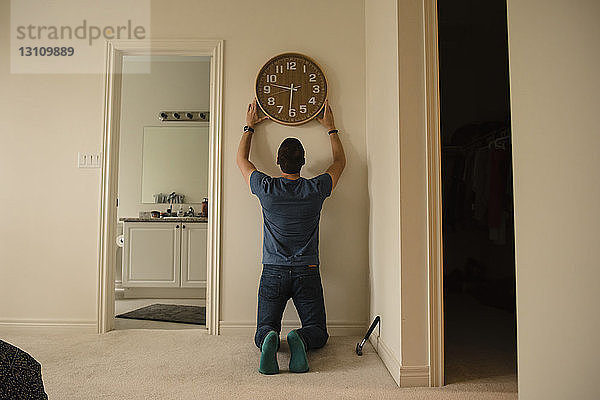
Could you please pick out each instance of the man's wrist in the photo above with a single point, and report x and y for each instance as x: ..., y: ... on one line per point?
x: 248, y: 128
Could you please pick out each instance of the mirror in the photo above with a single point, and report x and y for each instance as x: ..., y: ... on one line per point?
x: 175, y: 159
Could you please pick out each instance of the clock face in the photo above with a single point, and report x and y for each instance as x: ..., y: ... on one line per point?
x: 291, y: 88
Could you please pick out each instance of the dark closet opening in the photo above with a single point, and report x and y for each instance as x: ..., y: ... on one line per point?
x: 478, y: 228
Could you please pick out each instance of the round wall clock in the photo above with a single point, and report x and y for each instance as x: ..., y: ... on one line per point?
x: 291, y: 88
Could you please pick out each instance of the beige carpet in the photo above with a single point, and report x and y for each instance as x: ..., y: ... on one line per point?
x: 189, y: 364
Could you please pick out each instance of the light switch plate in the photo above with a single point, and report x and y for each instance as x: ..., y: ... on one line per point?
x: 88, y: 160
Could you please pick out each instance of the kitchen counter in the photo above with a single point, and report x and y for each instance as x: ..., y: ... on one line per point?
x: 164, y: 219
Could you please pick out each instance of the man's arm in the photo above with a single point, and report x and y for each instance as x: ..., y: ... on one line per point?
x: 246, y: 167
x: 339, y: 158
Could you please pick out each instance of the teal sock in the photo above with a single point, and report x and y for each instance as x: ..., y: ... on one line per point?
x: 298, y: 359
x: 268, y: 356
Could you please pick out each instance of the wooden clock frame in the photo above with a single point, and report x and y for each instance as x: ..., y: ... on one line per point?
x: 291, y: 54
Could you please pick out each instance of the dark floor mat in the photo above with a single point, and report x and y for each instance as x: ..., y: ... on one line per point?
x: 169, y: 313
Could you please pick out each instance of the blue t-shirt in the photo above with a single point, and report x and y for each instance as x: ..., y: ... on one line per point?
x: 291, y: 211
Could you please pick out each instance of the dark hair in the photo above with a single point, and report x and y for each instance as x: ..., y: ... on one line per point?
x: 290, y: 156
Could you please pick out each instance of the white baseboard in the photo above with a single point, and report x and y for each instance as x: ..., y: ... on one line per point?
x: 389, y: 359
x: 404, y: 375
x: 160, y: 293
x: 71, y: 325
x: 414, y: 376
x: 335, y: 328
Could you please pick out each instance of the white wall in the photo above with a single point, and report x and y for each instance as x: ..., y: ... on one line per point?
x: 397, y: 185
x: 383, y: 160
x: 413, y: 191
x: 49, y: 234
x: 554, y: 59
x: 171, y: 85
x: 51, y: 269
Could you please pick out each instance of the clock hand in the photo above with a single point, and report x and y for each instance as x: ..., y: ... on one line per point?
x: 291, y: 95
x: 276, y: 93
x: 285, y: 87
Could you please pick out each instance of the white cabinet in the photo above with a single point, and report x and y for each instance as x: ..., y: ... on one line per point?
x: 164, y: 254
x: 193, y: 255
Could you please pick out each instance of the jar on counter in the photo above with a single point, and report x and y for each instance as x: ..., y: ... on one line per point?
x: 204, y: 209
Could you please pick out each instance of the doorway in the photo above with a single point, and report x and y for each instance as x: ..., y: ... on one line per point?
x: 476, y: 190
x: 181, y: 244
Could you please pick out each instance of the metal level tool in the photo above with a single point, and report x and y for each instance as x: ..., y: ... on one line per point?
x: 359, y: 346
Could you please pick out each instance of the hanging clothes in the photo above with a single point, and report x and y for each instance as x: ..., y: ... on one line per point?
x: 476, y: 184
x: 497, y: 197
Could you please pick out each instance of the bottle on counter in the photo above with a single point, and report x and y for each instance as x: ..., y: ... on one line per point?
x: 204, y: 209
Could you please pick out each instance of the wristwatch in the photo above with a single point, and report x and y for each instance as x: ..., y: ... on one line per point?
x: 248, y: 129
x: 332, y: 131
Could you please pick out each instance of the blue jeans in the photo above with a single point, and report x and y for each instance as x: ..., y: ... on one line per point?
x: 303, y: 284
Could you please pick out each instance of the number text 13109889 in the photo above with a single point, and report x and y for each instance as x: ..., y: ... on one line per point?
x: 48, y: 51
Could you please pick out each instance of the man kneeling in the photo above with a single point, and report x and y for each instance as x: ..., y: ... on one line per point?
x: 291, y: 207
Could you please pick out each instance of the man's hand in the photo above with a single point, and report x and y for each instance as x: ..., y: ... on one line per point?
x: 252, y: 117
x: 327, y: 120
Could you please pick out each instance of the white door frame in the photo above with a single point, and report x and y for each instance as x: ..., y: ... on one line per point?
x: 434, y: 198
x: 115, y: 50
